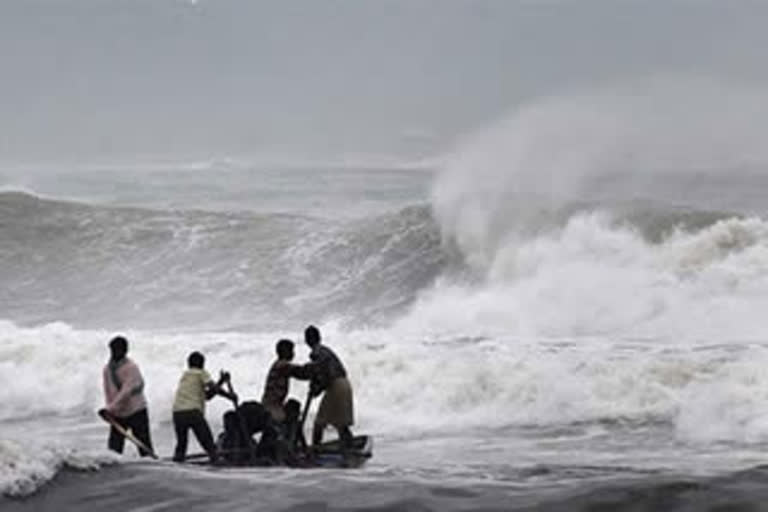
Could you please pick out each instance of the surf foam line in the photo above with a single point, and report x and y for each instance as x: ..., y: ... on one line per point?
x: 422, y: 377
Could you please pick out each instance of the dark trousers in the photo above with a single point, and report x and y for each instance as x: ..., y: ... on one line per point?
x: 138, y: 423
x: 193, y: 419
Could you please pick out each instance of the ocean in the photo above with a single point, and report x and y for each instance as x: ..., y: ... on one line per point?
x: 543, y: 319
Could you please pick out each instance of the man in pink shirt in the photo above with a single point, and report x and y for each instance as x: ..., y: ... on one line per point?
x: 124, y: 396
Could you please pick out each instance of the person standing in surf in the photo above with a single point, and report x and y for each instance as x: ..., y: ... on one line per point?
x: 329, y: 378
x: 124, y: 396
x: 195, y: 387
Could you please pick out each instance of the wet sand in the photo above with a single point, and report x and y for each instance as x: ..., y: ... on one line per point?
x: 163, y: 488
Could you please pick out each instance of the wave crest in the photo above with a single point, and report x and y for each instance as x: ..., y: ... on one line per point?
x: 170, y: 268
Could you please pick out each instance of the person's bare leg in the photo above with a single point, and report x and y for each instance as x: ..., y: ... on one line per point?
x: 317, y: 434
x: 345, y: 443
x: 345, y: 437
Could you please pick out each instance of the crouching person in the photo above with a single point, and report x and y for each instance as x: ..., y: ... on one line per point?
x: 293, y: 445
x: 195, y: 388
x: 236, y: 443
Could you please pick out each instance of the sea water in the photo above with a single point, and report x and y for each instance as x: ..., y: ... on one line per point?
x: 544, y: 312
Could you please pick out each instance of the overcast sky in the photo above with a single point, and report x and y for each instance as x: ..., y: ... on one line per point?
x: 131, y: 79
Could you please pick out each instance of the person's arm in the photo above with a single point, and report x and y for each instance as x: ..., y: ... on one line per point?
x: 105, y: 383
x: 316, y: 374
x: 211, y: 389
x: 103, y: 412
x: 300, y: 371
x: 217, y: 388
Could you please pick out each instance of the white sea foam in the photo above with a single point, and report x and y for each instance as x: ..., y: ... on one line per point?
x: 24, y: 468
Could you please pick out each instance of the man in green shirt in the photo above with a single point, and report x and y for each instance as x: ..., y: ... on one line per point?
x: 195, y: 387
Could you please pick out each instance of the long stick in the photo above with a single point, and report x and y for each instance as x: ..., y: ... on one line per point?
x: 127, y: 434
x: 232, y: 396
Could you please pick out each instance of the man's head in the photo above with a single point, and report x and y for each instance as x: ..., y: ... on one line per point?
x: 312, y: 336
x: 284, y: 350
x: 196, y: 360
x: 118, y: 348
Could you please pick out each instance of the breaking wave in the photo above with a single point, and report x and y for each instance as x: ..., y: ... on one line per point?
x: 99, y: 265
x: 24, y: 469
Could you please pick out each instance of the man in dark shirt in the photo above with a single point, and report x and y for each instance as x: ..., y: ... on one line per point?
x: 329, y: 377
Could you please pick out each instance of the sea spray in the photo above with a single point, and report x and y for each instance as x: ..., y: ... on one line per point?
x: 660, y: 141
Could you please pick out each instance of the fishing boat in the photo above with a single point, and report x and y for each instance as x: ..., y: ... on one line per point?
x: 326, y: 455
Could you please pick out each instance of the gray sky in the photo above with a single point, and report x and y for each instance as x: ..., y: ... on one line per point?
x: 99, y: 79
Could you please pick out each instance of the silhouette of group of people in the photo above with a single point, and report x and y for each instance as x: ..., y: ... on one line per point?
x: 278, y: 419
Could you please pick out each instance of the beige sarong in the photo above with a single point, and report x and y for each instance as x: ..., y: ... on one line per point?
x: 336, y: 407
